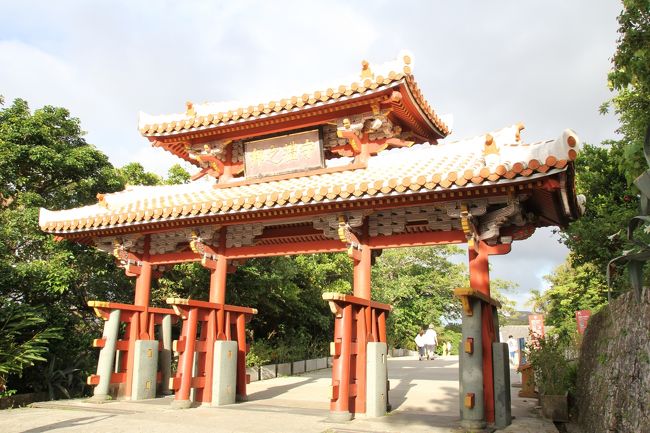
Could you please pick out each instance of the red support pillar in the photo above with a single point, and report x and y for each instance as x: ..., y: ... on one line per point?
x: 362, y: 289
x: 362, y: 270
x: 183, y: 393
x: 218, y: 293
x: 133, y: 331
x: 142, y: 295
x: 342, y: 404
x: 241, y: 357
x: 479, y: 278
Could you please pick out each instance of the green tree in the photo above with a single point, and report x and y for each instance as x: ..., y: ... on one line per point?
x: 499, y: 290
x: 45, y: 162
x: 133, y: 173
x: 25, y: 339
x: 573, y: 287
x: 177, y: 175
x: 630, y: 78
x: 537, y: 301
x: 419, y: 284
x: 610, y: 205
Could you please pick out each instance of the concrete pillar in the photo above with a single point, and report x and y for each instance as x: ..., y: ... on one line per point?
x: 195, y: 373
x: 166, y: 354
x: 377, y: 375
x: 502, y: 404
x: 118, y: 360
x: 145, y: 367
x: 471, y: 373
x: 224, y: 373
x: 107, y: 356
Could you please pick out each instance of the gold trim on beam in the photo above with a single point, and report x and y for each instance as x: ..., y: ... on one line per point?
x: 464, y: 293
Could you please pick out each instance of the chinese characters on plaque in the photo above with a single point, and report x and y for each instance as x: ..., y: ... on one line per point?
x: 282, y: 154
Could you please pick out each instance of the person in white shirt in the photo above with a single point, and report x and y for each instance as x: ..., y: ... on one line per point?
x: 430, y: 342
x: 513, y: 347
x: 419, y: 342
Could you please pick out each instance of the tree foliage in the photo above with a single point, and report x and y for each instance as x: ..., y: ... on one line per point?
x: 25, y: 339
x: 573, y: 287
x: 610, y: 204
x: 419, y: 284
x: 134, y: 173
x: 630, y: 78
x: 604, y: 175
x: 45, y: 162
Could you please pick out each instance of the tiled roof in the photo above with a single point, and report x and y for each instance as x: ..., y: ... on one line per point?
x: 198, y: 117
x: 487, y: 159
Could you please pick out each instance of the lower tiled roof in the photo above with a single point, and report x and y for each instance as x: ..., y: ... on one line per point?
x: 420, y: 168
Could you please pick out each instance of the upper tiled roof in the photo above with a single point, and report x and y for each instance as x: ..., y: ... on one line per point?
x: 198, y: 117
x: 487, y: 159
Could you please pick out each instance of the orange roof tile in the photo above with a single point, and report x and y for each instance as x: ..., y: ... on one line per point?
x: 420, y: 168
x: 200, y: 117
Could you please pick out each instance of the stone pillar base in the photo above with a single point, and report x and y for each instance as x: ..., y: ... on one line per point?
x: 145, y: 364
x: 181, y: 404
x: 376, y: 379
x: 224, y: 373
x: 336, y: 416
x: 473, y: 425
x: 100, y: 398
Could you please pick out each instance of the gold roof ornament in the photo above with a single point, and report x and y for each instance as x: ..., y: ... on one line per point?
x: 490, y: 146
x: 189, y: 109
x: 365, y: 71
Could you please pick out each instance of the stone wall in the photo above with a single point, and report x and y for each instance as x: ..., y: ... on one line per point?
x: 613, y: 387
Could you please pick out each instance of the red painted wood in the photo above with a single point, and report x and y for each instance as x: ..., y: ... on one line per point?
x: 183, y: 392
x: 132, y: 337
x: 241, y: 356
x: 342, y: 402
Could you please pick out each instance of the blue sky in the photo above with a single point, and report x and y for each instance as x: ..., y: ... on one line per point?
x: 491, y: 64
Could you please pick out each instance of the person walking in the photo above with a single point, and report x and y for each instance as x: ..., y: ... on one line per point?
x: 430, y: 342
x: 419, y: 342
x: 512, y: 348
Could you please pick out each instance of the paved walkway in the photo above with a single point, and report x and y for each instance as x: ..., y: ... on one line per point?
x: 424, y: 396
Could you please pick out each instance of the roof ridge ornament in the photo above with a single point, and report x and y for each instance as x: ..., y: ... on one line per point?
x: 366, y: 72
x: 189, y: 109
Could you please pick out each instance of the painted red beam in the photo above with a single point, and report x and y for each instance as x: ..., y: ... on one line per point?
x: 284, y: 232
x: 324, y: 246
x: 329, y: 246
x: 174, y: 258
x: 417, y: 239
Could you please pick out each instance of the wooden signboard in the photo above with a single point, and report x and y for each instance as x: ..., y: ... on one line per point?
x: 536, y: 325
x: 280, y: 154
x: 582, y: 317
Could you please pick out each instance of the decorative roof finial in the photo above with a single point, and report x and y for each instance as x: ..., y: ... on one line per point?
x: 189, y: 109
x: 365, y: 71
x: 520, y: 127
x: 407, y: 64
x: 490, y: 147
